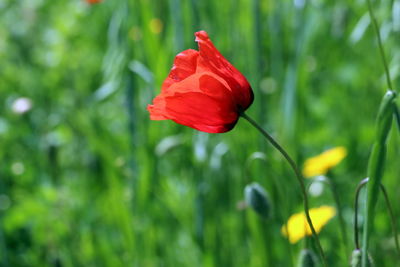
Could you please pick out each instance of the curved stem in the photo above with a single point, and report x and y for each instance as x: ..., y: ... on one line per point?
x: 299, y: 177
x: 390, y: 212
x: 392, y: 218
x: 356, y: 239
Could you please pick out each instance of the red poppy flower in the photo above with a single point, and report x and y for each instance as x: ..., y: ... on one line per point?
x: 203, y: 90
x: 93, y: 1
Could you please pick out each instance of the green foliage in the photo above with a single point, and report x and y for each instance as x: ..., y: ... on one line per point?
x: 86, y: 179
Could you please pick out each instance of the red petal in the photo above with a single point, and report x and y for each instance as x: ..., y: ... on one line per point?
x: 157, y: 110
x: 210, y: 85
x: 185, y: 64
x: 203, y: 90
x: 210, y: 59
x: 201, y: 101
x: 93, y: 1
x: 200, y: 112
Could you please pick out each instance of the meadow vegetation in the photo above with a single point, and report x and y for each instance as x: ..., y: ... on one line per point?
x: 86, y: 179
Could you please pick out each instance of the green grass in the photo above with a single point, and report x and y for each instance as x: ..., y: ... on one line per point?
x: 86, y: 179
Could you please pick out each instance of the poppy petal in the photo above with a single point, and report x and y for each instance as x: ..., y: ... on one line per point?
x: 200, y: 112
x: 212, y: 60
x: 201, y: 101
x: 157, y: 110
x: 204, y: 82
x: 185, y: 64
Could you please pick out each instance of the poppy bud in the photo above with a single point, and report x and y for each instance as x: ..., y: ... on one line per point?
x: 307, y: 258
x: 257, y: 198
x: 356, y: 259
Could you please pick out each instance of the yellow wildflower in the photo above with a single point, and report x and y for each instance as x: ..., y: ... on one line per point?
x: 297, y: 226
x: 321, y: 164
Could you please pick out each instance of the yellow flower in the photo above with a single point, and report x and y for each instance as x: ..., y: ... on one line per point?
x: 321, y: 164
x: 297, y: 226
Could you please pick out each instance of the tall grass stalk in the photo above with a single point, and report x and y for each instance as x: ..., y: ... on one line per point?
x: 378, y: 154
x: 336, y: 198
x: 376, y: 166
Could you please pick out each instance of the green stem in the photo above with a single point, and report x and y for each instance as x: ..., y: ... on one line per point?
x: 381, y: 50
x: 358, y: 190
x: 390, y: 213
x: 336, y: 199
x: 397, y: 115
x: 392, y: 218
x: 342, y: 223
x: 299, y: 177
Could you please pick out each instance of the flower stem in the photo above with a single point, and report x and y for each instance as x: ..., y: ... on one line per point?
x: 299, y: 177
x: 336, y: 198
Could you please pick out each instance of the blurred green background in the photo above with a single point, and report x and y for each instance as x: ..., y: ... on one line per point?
x: 86, y: 179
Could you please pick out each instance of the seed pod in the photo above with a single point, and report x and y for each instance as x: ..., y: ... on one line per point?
x: 307, y: 258
x: 257, y: 198
x: 356, y: 259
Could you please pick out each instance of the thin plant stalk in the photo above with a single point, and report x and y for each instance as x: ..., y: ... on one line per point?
x: 392, y: 218
x: 336, y: 199
x: 340, y: 215
x: 299, y: 177
x: 358, y: 190
x: 390, y: 213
